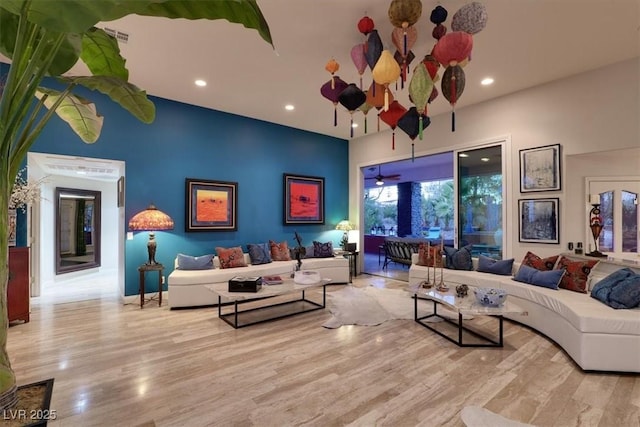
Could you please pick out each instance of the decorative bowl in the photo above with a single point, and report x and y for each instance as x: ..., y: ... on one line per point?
x: 490, y: 296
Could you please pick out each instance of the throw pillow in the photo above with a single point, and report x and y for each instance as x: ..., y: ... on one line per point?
x: 309, y: 251
x: 503, y: 267
x: 428, y: 254
x: 259, y: 253
x: 543, y: 264
x: 458, y: 259
x: 532, y: 276
x: 322, y: 250
x: 576, y: 273
x: 186, y: 262
x: 231, y: 257
x: 620, y: 289
x: 279, y: 251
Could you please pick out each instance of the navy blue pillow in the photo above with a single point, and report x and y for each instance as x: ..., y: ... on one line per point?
x: 503, y: 267
x: 458, y: 259
x: 620, y: 289
x: 187, y: 262
x: 259, y: 253
x: 322, y: 250
x: 547, y: 279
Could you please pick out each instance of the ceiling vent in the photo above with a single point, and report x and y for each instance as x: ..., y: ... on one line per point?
x: 119, y: 35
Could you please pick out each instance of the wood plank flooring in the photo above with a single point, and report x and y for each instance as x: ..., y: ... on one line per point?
x: 116, y: 364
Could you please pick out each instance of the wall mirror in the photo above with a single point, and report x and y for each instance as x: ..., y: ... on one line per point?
x: 77, y: 229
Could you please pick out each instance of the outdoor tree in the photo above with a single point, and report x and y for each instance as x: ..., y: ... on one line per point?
x: 45, y: 38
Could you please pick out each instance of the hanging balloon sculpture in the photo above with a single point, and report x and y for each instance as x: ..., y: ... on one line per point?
x: 412, y: 124
x: 359, y: 60
x: 352, y: 98
x: 403, y: 14
x: 375, y: 97
x: 365, y: 108
x: 391, y: 116
x: 386, y: 72
x: 420, y: 89
x: 333, y: 88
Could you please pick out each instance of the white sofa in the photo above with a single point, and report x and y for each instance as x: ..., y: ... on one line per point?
x: 187, y: 287
x: 595, y: 336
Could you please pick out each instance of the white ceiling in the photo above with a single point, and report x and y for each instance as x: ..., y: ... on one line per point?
x: 525, y: 43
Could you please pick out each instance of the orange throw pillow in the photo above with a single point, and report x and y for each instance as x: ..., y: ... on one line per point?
x: 231, y: 257
x: 279, y: 251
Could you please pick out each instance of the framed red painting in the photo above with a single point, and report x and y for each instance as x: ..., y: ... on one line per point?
x: 303, y: 199
x: 211, y: 205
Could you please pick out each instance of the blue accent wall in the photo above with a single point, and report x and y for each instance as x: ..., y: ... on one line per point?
x: 186, y: 141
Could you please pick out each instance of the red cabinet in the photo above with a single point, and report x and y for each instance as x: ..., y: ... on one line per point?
x: 18, y: 286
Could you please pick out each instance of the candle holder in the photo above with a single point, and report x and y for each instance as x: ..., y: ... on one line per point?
x: 596, y: 226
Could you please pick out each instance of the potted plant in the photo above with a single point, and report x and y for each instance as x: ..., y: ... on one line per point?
x: 43, y: 38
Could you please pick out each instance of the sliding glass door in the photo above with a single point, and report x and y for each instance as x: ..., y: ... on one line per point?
x: 480, y: 200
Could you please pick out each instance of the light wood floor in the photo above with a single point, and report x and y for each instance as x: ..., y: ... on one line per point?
x: 122, y: 366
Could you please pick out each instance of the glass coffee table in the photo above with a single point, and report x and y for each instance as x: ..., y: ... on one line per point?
x: 462, y: 306
x: 272, y: 310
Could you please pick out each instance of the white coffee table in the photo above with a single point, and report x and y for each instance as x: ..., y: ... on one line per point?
x: 463, y: 306
x: 241, y: 318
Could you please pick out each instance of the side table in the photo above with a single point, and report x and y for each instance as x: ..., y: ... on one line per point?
x: 142, y: 270
x: 353, y: 263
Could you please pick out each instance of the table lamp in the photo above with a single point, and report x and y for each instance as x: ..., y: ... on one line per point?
x: 151, y: 219
x: 345, y: 226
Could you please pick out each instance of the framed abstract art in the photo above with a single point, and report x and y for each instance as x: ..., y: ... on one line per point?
x: 539, y: 220
x: 303, y: 199
x: 540, y: 169
x: 211, y: 205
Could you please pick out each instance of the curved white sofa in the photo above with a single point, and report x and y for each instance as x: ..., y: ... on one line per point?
x: 187, y: 287
x: 595, y: 336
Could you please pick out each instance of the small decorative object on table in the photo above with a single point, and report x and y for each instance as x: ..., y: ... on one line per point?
x: 490, y: 296
x: 442, y: 287
x: 461, y: 291
x: 245, y: 284
x: 307, y: 277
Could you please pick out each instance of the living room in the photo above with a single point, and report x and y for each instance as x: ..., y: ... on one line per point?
x: 592, y: 115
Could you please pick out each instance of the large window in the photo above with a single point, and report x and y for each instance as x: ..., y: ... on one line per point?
x: 480, y: 200
x: 381, y: 210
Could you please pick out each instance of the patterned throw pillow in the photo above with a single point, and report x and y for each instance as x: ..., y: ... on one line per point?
x: 503, y: 267
x: 231, y: 257
x: 259, y: 253
x: 576, y: 274
x: 619, y: 290
x: 458, y: 259
x: 428, y: 253
x: 279, y: 251
x: 322, y: 250
x: 542, y: 264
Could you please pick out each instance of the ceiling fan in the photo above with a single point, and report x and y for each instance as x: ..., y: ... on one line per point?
x: 381, y: 178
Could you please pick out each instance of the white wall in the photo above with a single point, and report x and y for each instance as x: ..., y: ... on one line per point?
x: 590, y: 112
x: 112, y: 244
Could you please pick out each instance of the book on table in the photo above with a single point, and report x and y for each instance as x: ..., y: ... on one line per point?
x: 271, y: 280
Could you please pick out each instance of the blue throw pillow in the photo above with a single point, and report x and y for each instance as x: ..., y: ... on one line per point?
x: 186, y: 262
x: 620, y: 289
x: 490, y: 265
x: 309, y: 252
x: 532, y: 276
x: 259, y: 253
x: 458, y: 259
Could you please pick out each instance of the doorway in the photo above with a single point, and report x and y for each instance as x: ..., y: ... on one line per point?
x: 105, y: 281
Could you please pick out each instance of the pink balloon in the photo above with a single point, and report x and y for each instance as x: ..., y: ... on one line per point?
x: 358, y: 58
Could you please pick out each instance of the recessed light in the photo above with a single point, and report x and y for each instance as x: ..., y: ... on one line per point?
x: 200, y: 83
x: 485, y: 159
x: 463, y: 155
x: 289, y: 107
x: 354, y: 125
x: 486, y: 81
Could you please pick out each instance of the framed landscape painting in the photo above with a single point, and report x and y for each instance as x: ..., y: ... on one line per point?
x: 211, y: 205
x: 540, y: 169
x: 539, y: 220
x: 303, y: 199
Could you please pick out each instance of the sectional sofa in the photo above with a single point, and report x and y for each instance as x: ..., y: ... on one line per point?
x: 596, y: 336
x: 187, y: 288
